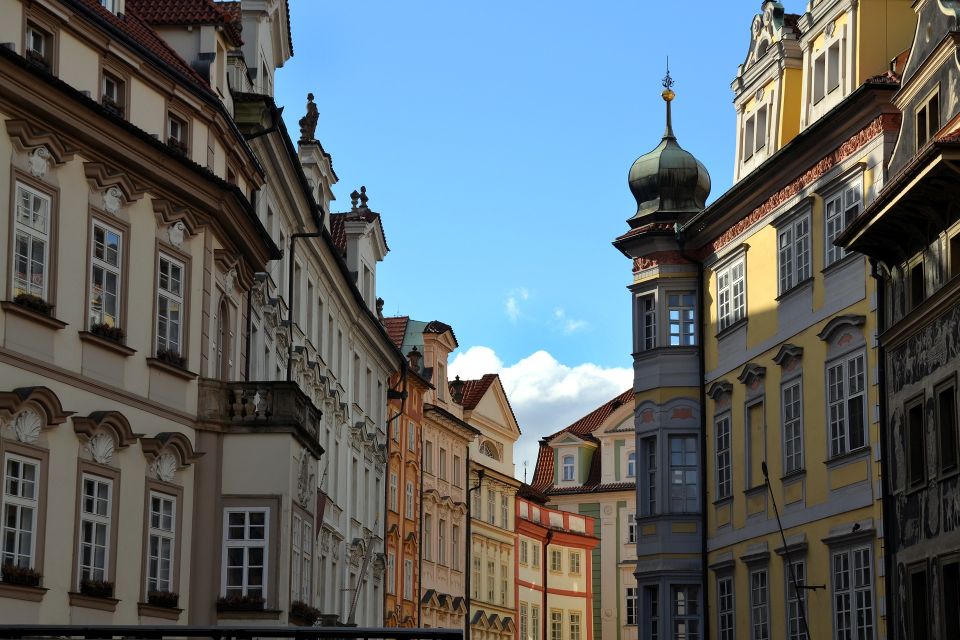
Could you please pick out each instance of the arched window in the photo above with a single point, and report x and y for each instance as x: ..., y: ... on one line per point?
x: 488, y: 449
x: 632, y: 464
x: 568, y: 468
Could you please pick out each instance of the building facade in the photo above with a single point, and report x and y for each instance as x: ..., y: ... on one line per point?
x: 589, y: 468
x: 912, y: 235
x: 247, y: 399
x: 754, y: 339
x: 493, y: 489
x: 554, y: 572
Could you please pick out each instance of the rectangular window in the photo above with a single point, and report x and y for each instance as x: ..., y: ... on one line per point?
x: 574, y: 561
x: 792, y: 428
x: 793, y: 253
x: 456, y: 471
x: 574, y: 625
x: 556, y: 625
x: 796, y: 601
x: 535, y: 554
x: 524, y: 553
x: 177, y: 132
x: 96, y: 512
x: 408, y: 579
x: 169, y: 305
x: 725, y: 610
x: 39, y: 46
x: 916, y: 445
x: 491, y: 582
x: 761, y: 134
x: 846, y: 400
x: 631, y: 528
x: 683, y: 474
x: 569, y: 468
x: 649, y: 506
x: 408, y: 507
x: 748, y: 140
x: 631, y: 608
x: 535, y: 620
x: 556, y: 560
x: 442, y: 541
x: 950, y: 592
x: 917, y: 605
x: 455, y: 548
x: 391, y: 572
x: 853, y: 594
x: 394, y: 489
x: 21, y: 491
x: 491, y: 506
x: 504, y: 511
x: 113, y: 94
x: 685, y: 612
x: 105, y: 257
x: 833, y: 67
x: 245, y: 553
x: 648, y: 320
x: 427, y: 537
x: 503, y: 584
x: 841, y: 208
x: 475, y: 580
x: 411, y: 436
x: 651, y: 603
x: 732, y: 294
x: 31, y: 253
x: 632, y: 464
x: 160, y: 542
x: 759, y: 613
x: 723, y: 458
x: 928, y: 119
x: 947, y: 427
x: 681, y: 310
x: 428, y: 456
x: 443, y: 463
x: 524, y: 622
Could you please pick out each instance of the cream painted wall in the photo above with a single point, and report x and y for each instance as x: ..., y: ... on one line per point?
x: 78, y: 65
x: 147, y: 109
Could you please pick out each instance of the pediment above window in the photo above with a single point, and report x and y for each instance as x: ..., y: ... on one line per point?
x: 752, y: 375
x: 835, y: 327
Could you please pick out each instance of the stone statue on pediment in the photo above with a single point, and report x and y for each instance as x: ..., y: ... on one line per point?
x: 308, y: 123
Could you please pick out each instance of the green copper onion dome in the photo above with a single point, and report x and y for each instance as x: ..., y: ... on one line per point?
x: 668, y: 182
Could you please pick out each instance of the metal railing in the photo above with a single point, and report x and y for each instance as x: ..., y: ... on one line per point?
x: 158, y: 632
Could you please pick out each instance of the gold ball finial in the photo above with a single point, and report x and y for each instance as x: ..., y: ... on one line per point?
x: 668, y: 95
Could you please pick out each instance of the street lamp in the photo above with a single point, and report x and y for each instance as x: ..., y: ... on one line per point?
x: 468, y: 548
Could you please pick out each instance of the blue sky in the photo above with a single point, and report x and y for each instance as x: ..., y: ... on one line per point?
x: 495, y: 138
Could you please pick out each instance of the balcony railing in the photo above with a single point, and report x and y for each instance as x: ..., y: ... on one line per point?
x: 257, y: 407
x: 159, y: 632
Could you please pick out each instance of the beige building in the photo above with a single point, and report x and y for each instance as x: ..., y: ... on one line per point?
x: 156, y: 375
x: 493, y: 490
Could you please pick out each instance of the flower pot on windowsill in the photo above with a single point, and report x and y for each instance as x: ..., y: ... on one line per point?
x: 112, y: 106
x: 303, y: 614
x: 172, y: 357
x: 22, y: 576
x: 38, y: 59
x: 240, y: 603
x: 109, y: 332
x: 164, y: 599
x: 178, y: 145
x: 34, y: 303
x: 96, y: 588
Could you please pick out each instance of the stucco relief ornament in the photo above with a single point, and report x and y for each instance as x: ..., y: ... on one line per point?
x: 39, y: 162
x: 230, y: 280
x: 112, y: 199
x: 831, y: 27
x: 26, y: 426
x: 164, y: 467
x: 305, y: 480
x: 101, y: 448
x: 177, y: 232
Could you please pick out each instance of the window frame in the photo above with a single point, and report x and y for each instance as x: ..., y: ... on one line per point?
x: 786, y: 419
x: 912, y: 483
x: 408, y: 491
x: 442, y: 542
x: 631, y: 610
x: 181, y: 119
x: 51, y: 34
x: 120, y: 228
x: 844, y: 360
x: 686, y: 321
x: 427, y: 537
x: 247, y: 543
x: 724, y: 472
x: 394, y: 489
x: 947, y: 467
x: 647, y: 321
x: 847, y: 212
x: 925, y: 108
x: 852, y: 589
x: 568, y: 463
x: 573, y: 563
x: 727, y: 295
x: 685, y: 469
x: 51, y: 195
x: 650, y: 460
x: 694, y: 618
x: 632, y: 464
x: 169, y: 253
x: 175, y: 493
x: 795, y: 598
x: 797, y: 271
x: 35, y: 504
x: 759, y: 610
x: 726, y: 615
x: 99, y: 472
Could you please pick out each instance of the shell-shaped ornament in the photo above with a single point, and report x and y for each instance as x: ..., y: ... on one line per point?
x: 164, y: 467
x: 101, y: 448
x: 26, y: 426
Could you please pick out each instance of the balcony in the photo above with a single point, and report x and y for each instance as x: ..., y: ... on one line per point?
x: 260, y: 407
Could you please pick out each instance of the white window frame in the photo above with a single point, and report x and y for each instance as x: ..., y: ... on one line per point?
x: 573, y: 560
x: 575, y: 627
x: 852, y: 599
x: 556, y: 560
x: 408, y: 579
x: 443, y: 464
x: 632, y: 609
x: 411, y: 436
x: 632, y: 464
x: 455, y: 547
x: 726, y: 609
x: 524, y: 553
x: 684, y: 468
x: 690, y: 620
x: 535, y: 555
x: 394, y: 491
x: 647, y: 310
x: 791, y: 403
x: 24, y: 509
x: 569, y: 467
x: 442, y: 541
x: 841, y: 395
x: 760, y: 604
x: 428, y: 537
x: 428, y: 456
x: 795, y: 599
x: 94, y: 519
x: 682, y: 318
x: 840, y: 207
x: 162, y: 528
x: 33, y: 234
x: 524, y: 621
x: 504, y: 510
x: 391, y: 572
x: 556, y: 624
x: 170, y: 295
x: 723, y: 430
x: 106, y: 269
x: 535, y: 620
x: 793, y: 253
x: 631, y: 528
x: 732, y: 293
x: 246, y: 543
x: 491, y: 506
x: 408, y: 494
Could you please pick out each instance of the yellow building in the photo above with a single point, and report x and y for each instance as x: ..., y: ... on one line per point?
x: 755, y: 341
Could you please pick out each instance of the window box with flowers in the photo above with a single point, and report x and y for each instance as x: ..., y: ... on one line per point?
x: 303, y: 614
x: 21, y: 583
x: 164, y: 599
x: 240, y: 603
x: 96, y: 588
x: 177, y: 145
x: 34, y: 303
x: 34, y: 308
x: 112, y: 106
x: 94, y: 594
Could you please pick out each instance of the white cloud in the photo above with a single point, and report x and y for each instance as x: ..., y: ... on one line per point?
x: 545, y: 394
x: 568, y: 325
x: 512, y: 304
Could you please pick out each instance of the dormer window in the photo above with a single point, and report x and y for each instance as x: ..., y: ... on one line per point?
x: 109, y: 5
x: 632, y: 464
x: 568, y: 468
x: 112, y: 94
x: 826, y: 71
x: 755, y: 133
x: 928, y: 118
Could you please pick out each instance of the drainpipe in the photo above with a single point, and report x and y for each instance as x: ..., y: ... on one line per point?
x: 468, y: 547
x: 889, y: 523
x: 420, y: 530
x: 701, y: 369
x: 543, y: 568
x: 402, y: 395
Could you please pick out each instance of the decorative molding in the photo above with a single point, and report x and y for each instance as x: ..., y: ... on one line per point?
x: 177, y: 233
x: 104, y: 432
x: 102, y: 178
x: 30, y: 137
x: 751, y: 374
x: 719, y: 388
x: 169, y: 442
x: 164, y: 467
x: 837, y: 322
x: 786, y: 353
x: 658, y: 258
x: 100, y: 447
x: 39, y: 162
x: 306, y: 480
x: 25, y: 398
x: 168, y: 213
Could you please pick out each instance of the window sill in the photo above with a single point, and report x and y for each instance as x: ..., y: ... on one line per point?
x: 793, y: 475
x: 258, y: 614
x: 175, y: 371
x: 948, y: 474
x: 721, y: 502
x: 850, y: 257
x: 803, y: 285
x: 837, y: 460
x: 39, y: 318
x: 106, y: 343
x: 729, y: 329
x: 21, y: 592
x: 752, y: 491
x: 150, y: 611
x: 91, y: 602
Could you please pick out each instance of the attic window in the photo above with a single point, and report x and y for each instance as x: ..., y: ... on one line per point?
x: 568, y: 468
x: 928, y: 119
x: 109, y: 5
x: 488, y: 449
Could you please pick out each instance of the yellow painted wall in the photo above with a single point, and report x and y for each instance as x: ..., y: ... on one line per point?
x: 886, y: 28
x: 791, y: 97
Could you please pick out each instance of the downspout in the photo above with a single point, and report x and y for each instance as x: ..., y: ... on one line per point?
x: 889, y: 524
x: 701, y: 369
x: 386, y: 485
x: 420, y: 528
x: 468, y: 551
x: 543, y: 569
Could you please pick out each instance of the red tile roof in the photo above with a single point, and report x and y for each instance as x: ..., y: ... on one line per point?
x: 473, y: 390
x: 338, y: 228
x: 435, y: 326
x: 584, y: 427
x: 396, y: 329
x: 187, y: 12
x: 137, y: 29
